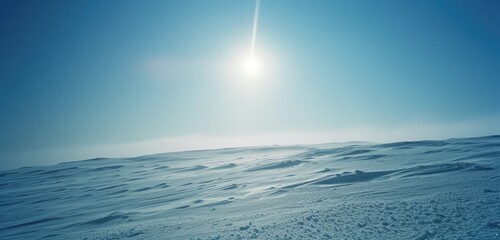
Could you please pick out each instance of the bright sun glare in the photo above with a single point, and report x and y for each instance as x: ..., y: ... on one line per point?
x: 251, y: 66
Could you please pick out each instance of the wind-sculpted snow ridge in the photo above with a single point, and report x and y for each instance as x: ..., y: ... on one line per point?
x: 406, y: 190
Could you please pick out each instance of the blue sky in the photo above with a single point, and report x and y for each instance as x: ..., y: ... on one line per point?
x: 85, y: 79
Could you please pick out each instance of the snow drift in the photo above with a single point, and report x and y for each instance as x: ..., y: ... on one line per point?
x: 406, y: 190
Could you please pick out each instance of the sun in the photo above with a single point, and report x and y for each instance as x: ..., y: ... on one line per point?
x: 251, y: 67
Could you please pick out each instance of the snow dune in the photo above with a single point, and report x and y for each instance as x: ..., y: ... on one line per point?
x: 446, y: 189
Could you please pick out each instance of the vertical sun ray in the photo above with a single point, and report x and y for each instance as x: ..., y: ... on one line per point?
x: 254, y: 28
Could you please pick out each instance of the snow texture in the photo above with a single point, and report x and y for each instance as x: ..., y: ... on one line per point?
x: 406, y: 190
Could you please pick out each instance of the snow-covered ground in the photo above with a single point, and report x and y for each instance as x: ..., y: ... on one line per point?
x: 406, y: 190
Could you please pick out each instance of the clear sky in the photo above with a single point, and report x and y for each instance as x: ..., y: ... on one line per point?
x: 81, y: 79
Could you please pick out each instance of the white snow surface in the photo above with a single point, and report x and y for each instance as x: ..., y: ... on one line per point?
x: 446, y: 189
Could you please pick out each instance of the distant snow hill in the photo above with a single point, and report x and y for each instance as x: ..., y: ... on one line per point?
x: 406, y: 190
